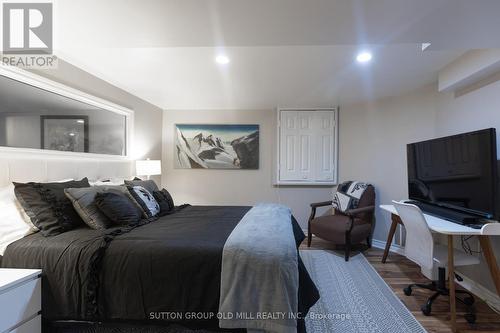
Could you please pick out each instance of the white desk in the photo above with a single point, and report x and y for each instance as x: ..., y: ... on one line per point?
x: 442, y: 226
x: 450, y: 229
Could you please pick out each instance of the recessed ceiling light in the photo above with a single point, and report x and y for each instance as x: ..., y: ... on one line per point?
x: 222, y: 59
x: 80, y: 121
x: 363, y: 57
x: 71, y: 134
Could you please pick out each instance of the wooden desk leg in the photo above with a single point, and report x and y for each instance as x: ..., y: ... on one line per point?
x: 395, y: 221
x: 489, y: 256
x: 451, y: 281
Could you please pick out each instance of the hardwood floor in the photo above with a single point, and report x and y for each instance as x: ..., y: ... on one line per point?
x: 398, y: 272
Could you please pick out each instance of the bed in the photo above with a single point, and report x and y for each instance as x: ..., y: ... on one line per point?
x: 152, y: 274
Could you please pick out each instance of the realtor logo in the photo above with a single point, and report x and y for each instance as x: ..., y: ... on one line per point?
x: 27, y: 28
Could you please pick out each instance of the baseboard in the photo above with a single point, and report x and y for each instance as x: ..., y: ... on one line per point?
x: 491, y: 298
x: 381, y: 245
x: 394, y: 247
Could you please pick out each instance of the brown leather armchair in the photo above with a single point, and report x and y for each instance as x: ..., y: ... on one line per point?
x: 344, y: 228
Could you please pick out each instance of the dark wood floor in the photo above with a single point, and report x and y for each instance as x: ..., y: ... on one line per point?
x: 398, y: 272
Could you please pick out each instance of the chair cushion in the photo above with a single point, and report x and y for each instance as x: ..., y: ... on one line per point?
x: 368, y: 197
x: 333, y: 228
x: 348, y: 195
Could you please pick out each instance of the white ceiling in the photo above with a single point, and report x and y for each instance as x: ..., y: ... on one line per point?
x: 283, y: 52
x: 264, y: 77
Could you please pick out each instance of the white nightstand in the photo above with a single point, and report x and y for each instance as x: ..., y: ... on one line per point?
x: 20, y: 300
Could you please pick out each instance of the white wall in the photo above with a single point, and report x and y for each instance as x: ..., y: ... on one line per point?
x: 475, y: 110
x: 373, y: 138
x: 372, y: 143
x: 233, y: 187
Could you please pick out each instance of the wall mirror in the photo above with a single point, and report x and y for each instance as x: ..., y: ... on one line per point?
x: 36, y: 118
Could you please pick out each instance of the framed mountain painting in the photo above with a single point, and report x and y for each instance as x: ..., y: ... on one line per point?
x: 200, y: 146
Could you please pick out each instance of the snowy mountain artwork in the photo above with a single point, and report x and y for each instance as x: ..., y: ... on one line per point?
x: 216, y: 146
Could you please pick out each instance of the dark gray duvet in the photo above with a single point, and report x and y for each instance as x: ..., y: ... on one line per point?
x: 172, y: 265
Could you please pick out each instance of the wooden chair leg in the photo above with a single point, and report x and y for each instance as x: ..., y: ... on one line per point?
x: 347, y: 245
x: 309, y: 233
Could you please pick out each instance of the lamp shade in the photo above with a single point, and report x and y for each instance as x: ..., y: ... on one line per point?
x: 148, y: 167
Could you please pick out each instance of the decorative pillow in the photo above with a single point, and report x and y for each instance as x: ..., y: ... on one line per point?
x: 149, y: 185
x: 83, y: 200
x: 9, y: 201
x: 165, y: 201
x: 108, y: 182
x: 145, y: 199
x: 348, y: 195
x: 169, y: 198
x: 48, y: 207
x: 118, y: 208
x: 14, y: 224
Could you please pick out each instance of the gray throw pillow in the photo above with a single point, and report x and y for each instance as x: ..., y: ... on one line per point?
x: 149, y: 185
x: 83, y: 200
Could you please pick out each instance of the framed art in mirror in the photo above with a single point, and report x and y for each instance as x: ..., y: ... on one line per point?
x: 65, y: 133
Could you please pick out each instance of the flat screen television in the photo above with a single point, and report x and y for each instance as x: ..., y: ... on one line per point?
x: 457, y: 172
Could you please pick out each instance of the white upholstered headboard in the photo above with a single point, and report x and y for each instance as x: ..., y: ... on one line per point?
x: 38, y: 167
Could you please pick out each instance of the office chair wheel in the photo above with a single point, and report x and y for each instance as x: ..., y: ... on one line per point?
x: 407, y: 291
x: 426, y: 309
x: 470, y: 317
x: 469, y: 301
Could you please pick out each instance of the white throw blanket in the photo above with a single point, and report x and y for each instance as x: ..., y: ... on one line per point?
x: 259, y: 279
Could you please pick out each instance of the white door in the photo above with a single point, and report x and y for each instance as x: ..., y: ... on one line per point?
x: 325, y: 140
x: 296, y: 151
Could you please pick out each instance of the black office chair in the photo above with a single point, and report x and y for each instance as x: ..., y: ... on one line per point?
x: 440, y: 289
